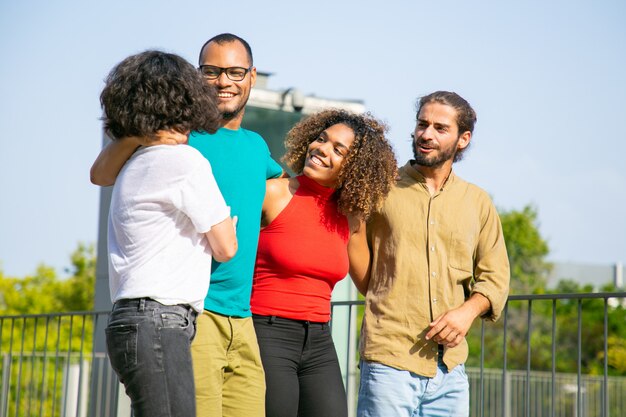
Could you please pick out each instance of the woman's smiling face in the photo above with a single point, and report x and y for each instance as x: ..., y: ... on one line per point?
x: 326, y: 154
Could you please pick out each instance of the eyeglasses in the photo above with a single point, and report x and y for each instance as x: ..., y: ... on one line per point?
x: 212, y: 72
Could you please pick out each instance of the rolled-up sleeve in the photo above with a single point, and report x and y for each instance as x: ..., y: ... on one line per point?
x: 491, y: 265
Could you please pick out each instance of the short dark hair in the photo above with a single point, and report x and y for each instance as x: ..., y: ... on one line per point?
x: 465, y: 114
x: 153, y: 91
x: 223, y: 38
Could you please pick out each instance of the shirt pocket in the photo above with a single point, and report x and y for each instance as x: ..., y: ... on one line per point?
x: 461, y: 255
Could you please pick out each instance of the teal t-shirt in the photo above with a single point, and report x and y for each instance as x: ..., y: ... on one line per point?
x: 241, y: 162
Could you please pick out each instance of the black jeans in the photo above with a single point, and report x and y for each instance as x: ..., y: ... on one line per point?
x: 302, y: 372
x: 148, y: 345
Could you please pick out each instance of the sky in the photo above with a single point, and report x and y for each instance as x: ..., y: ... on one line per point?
x: 547, y: 80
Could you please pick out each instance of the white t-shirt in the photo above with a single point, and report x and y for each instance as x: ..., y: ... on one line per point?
x: 164, y: 200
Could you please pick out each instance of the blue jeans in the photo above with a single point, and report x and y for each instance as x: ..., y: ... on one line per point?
x: 302, y: 374
x: 387, y: 392
x: 148, y: 346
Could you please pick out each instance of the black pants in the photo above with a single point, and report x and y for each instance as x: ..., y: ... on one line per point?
x: 302, y: 372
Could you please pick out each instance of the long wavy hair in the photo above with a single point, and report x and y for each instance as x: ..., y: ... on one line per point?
x: 368, y: 170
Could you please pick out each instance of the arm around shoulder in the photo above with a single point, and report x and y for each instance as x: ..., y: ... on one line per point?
x: 359, y: 255
x: 111, y: 159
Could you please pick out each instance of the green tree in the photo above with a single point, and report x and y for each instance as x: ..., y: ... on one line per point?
x: 44, y: 292
x: 527, y: 251
x: 39, y: 349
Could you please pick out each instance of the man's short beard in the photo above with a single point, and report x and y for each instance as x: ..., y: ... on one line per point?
x: 425, y: 161
x: 230, y: 115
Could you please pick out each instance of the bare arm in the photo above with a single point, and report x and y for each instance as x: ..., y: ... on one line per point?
x: 450, y: 328
x: 278, y: 193
x: 223, y: 239
x: 111, y: 159
x: 359, y: 255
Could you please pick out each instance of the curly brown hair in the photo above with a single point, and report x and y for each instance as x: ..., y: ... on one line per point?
x: 153, y: 91
x: 369, y: 169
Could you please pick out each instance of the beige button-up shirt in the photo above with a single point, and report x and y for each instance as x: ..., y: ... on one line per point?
x: 429, y: 254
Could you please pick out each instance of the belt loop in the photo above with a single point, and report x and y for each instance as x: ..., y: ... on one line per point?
x: 142, y: 304
x: 272, y: 319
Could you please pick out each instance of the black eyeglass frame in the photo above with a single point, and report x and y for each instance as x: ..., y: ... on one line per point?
x: 226, y: 71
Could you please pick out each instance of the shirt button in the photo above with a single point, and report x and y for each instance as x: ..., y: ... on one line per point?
x: 434, y: 274
x: 432, y: 248
x: 432, y: 222
x: 434, y: 300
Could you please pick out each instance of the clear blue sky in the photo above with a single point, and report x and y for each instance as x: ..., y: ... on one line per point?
x: 547, y: 78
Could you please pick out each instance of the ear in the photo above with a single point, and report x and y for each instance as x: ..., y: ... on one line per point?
x: 464, y: 140
x: 252, y: 76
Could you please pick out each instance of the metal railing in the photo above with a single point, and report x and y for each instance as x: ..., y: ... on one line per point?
x: 49, y: 365
x: 516, y: 389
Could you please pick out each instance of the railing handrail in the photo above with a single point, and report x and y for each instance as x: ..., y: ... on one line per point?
x: 520, y: 297
x: 60, y: 313
x: 527, y: 297
x: 569, y: 296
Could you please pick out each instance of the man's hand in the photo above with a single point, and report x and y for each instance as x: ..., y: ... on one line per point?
x: 450, y: 328
x: 169, y: 137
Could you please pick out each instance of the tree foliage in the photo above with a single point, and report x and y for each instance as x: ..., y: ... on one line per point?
x: 44, y: 292
x: 532, y: 321
x: 527, y: 250
x: 39, y: 339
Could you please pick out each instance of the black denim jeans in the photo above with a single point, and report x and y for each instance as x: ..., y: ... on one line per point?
x: 302, y: 373
x: 149, y: 348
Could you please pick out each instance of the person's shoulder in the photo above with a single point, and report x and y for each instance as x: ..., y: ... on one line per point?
x: 185, y: 157
x: 473, y: 188
x: 184, y: 150
x: 475, y: 193
x: 279, y: 186
x: 251, y: 133
x: 253, y: 137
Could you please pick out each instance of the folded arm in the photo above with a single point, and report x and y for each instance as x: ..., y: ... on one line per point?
x: 223, y: 239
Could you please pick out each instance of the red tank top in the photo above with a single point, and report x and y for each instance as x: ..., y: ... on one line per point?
x: 302, y: 254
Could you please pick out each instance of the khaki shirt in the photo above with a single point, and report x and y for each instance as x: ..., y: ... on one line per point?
x: 429, y: 254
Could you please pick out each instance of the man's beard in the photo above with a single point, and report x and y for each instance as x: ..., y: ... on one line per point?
x: 229, y: 115
x: 434, y: 161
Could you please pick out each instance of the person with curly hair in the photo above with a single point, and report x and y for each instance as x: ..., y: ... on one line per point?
x: 167, y: 219
x: 313, y: 233
x: 228, y: 373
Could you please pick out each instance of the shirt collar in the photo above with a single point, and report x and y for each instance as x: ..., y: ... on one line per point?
x: 417, y: 176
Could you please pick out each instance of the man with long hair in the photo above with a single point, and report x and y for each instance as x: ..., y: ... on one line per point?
x: 439, y: 261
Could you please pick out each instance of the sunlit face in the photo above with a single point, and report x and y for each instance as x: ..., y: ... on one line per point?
x: 327, y: 153
x: 436, y: 138
x: 232, y: 95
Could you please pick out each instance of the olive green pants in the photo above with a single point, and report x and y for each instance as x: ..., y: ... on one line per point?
x: 228, y: 374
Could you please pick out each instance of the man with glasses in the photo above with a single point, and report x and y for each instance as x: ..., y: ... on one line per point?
x: 439, y: 261
x: 227, y: 366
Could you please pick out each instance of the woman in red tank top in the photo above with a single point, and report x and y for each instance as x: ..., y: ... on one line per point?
x: 313, y: 234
